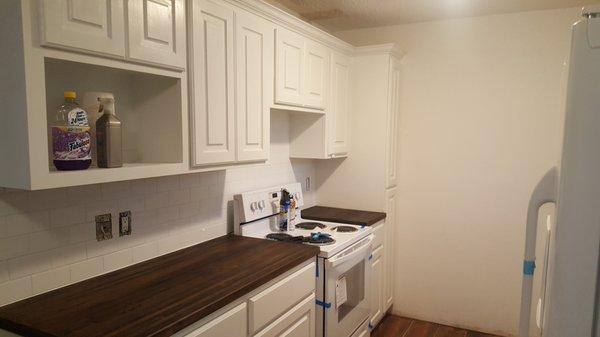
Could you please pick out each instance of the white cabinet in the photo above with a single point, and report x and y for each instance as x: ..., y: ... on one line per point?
x: 390, y: 225
x: 301, y: 71
x: 254, y: 68
x: 316, y: 72
x: 289, y: 68
x: 297, y: 322
x: 230, y: 324
x: 392, y: 123
x: 283, y: 308
x: 377, y: 276
x: 212, y: 83
x: 338, y: 115
x: 95, y: 26
x: 231, y: 84
x: 156, y: 31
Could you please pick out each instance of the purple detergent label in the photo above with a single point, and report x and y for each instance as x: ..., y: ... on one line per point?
x: 71, y: 142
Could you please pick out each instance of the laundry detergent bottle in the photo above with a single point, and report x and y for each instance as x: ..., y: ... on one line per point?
x: 71, y: 136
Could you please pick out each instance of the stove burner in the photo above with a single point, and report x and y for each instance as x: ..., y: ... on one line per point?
x: 284, y: 237
x: 320, y: 239
x: 344, y: 229
x: 310, y: 225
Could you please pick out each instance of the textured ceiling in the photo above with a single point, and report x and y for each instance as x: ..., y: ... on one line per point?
x: 336, y: 15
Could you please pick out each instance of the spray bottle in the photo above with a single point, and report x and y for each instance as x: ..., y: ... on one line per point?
x: 109, y: 135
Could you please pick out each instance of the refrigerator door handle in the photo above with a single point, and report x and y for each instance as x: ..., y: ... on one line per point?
x: 544, y: 192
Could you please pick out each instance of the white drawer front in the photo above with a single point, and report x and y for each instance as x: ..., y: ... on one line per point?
x: 230, y: 324
x: 279, y: 298
x: 298, y: 322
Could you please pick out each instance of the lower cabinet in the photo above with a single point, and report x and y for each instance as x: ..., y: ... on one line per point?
x: 381, y: 270
x: 230, y: 324
x: 283, y: 308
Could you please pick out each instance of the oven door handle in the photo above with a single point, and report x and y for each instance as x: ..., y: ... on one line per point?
x: 357, y: 252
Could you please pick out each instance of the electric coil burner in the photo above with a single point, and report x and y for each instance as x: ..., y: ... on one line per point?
x: 310, y: 225
x: 344, y: 229
x: 319, y: 238
x: 284, y: 237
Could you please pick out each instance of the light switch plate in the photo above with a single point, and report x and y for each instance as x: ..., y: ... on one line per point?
x: 103, y: 227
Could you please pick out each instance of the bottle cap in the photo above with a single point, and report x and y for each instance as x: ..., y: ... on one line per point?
x: 70, y: 94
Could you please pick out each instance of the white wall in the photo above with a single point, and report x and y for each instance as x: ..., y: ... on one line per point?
x: 47, y: 238
x: 481, y: 121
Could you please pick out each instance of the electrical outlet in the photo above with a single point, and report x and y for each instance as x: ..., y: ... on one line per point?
x: 125, y: 223
x: 308, y: 183
x: 103, y: 227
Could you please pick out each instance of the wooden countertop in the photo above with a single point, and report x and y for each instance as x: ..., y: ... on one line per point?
x: 157, y: 297
x: 342, y: 215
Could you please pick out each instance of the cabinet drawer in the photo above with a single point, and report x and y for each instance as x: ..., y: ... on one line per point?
x: 298, y: 322
x: 230, y: 324
x: 279, y: 298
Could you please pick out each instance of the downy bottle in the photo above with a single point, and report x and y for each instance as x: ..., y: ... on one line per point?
x: 71, y: 136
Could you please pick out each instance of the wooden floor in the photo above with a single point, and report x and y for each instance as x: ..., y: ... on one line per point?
x: 395, y: 326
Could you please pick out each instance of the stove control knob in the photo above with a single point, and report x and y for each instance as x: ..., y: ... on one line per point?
x: 261, y: 204
x: 253, y: 206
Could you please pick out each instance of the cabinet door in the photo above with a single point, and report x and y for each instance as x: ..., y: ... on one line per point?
x: 390, y: 224
x: 376, y: 285
x: 289, y: 67
x: 254, y: 52
x: 392, y: 133
x: 212, y: 83
x: 157, y: 32
x: 299, y: 321
x: 338, y: 114
x: 231, y: 324
x: 316, y: 75
x: 95, y: 26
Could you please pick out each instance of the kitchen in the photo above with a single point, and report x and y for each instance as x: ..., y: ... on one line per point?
x: 425, y: 126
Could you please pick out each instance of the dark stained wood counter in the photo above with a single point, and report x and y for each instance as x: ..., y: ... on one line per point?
x: 342, y: 215
x: 157, y: 297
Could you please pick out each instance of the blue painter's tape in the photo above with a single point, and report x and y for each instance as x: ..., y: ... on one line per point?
x: 370, y: 327
x: 528, y: 267
x: 323, y: 304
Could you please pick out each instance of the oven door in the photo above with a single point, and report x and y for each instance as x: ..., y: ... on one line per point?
x: 347, y: 289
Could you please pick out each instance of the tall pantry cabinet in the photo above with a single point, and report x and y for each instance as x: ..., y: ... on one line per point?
x: 361, y: 181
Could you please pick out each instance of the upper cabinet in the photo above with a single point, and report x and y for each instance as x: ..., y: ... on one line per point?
x: 84, y: 25
x: 338, y: 115
x: 212, y: 83
x: 156, y: 31
x: 231, y: 84
x: 301, y: 71
x: 254, y: 38
x: 392, y: 122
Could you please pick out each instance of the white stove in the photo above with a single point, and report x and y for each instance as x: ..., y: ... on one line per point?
x: 344, y: 255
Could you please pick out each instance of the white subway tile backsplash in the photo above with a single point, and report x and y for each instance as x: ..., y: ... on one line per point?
x: 15, y: 290
x: 14, y: 246
x: 145, y: 252
x: 48, y: 238
x: 18, y: 224
x: 67, y: 216
x: 117, y: 260
x: 50, y: 280
x: 86, y: 269
x: 167, y: 183
x: 68, y: 255
x: 29, y: 264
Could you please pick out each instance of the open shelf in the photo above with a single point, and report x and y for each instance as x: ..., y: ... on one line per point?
x: 148, y: 105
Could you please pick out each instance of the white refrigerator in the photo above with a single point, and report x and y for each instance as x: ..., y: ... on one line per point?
x: 560, y: 288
